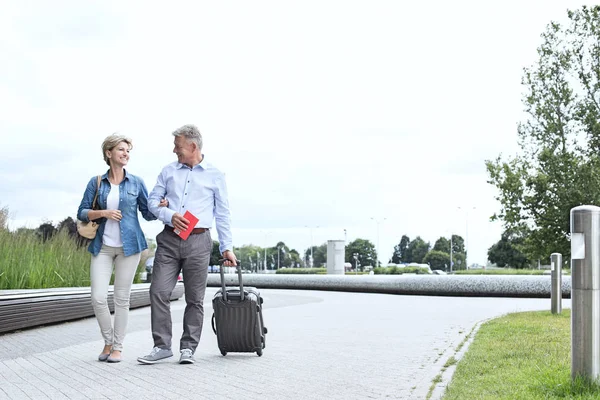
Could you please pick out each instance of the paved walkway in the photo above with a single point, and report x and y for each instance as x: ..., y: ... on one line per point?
x: 321, y: 345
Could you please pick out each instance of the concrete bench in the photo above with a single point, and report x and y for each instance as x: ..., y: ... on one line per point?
x: 21, y: 309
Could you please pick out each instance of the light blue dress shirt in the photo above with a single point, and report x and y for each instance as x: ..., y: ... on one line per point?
x: 200, y: 190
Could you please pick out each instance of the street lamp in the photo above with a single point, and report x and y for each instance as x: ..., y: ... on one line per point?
x: 311, y: 243
x: 355, y: 263
x: 378, y: 248
x: 466, y: 210
x: 451, y: 252
x: 266, y: 234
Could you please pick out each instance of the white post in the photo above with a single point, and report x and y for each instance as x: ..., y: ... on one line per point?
x: 378, y: 248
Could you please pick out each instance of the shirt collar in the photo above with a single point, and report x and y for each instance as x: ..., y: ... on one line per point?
x: 202, y: 164
x: 105, y: 176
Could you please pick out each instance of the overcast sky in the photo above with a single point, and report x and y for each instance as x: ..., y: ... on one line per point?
x: 322, y: 114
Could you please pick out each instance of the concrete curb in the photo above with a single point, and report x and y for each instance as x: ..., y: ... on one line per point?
x: 535, y: 286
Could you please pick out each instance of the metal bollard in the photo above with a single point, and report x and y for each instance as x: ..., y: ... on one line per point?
x: 556, y: 292
x: 585, y: 292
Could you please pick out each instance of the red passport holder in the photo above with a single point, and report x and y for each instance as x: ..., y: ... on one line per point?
x: 193, y: 221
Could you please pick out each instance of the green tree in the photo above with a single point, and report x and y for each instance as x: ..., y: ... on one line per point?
x: 46, y: 230
x: 506, y: 253
x: 365, y: 250
x: 442, y: 244
x: 215, y: 254
x: 295, y: 258
x: 458, y: 251
x: 458, y: 244
x: 249, y: 256
x: 400, y: 250
x: 417, y: 250
x: 557, y: 167
x: 319, y: 255
x: 282, y: 256
x: 437, y: 260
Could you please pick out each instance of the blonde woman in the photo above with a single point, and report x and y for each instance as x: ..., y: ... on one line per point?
x: 119, y: 240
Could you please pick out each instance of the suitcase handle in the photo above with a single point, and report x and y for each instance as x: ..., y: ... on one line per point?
x: 222, y: 273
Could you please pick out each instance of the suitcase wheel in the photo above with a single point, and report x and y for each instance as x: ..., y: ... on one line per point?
x: 224, y: 353
x: 259, y: 352
x: 265, y: 330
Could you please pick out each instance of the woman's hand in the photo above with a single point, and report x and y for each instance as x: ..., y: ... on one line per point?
x: 164, y: 203
x: 113, y: 214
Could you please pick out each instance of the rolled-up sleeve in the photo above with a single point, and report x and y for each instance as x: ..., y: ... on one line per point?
x: 222, y: 215
x: 86, y: 202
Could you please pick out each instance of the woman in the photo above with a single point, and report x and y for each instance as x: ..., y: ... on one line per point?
x: 119, y: 240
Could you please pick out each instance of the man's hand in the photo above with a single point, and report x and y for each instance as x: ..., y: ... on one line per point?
x: 230, y: 260
x: 179, y: 222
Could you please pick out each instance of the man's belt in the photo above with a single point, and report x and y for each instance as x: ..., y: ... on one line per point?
x: 195, y: 231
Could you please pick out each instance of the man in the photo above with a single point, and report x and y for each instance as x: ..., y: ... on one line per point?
x: 189, y: 184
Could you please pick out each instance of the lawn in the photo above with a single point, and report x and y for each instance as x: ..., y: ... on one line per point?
x: 520, y: 356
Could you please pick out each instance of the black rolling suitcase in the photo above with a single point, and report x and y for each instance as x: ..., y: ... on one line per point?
x: 237, y: 318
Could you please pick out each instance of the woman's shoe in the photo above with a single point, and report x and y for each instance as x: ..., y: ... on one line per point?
x: 103, y: 357
x: 112, y: 359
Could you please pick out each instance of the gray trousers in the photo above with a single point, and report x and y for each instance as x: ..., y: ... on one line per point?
x: 173, y: 255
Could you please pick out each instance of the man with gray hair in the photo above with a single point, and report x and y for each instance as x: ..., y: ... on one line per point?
x: 189, y: 184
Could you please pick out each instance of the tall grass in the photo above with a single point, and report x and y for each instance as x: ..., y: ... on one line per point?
x: 27, y: 262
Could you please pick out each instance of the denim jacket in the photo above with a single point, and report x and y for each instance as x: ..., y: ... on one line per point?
x: 132, y: 195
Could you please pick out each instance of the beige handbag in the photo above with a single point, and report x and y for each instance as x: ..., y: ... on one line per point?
x: 88, y: 229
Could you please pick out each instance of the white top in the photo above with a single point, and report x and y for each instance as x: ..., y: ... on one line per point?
x: 112, y: 229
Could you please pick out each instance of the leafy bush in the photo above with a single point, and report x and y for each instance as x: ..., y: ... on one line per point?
x: 302, y: 271
x: 395, y: 270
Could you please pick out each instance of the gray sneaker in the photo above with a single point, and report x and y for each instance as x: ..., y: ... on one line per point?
x: 155, y: 355
x: 187, y: 357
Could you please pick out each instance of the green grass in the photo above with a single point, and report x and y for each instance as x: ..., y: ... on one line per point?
x: 520, y: 356
x: 27, y: 262
x: 506, y: 271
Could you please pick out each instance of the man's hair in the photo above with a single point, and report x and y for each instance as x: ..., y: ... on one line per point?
x: 111, y: 142
x: 190, y: 132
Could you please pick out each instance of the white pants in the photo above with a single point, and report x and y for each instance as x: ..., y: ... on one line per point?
x: 101, y: 270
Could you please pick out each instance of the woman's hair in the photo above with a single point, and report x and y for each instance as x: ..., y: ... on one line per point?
x: 190, y: 132
x: 111, y: 142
